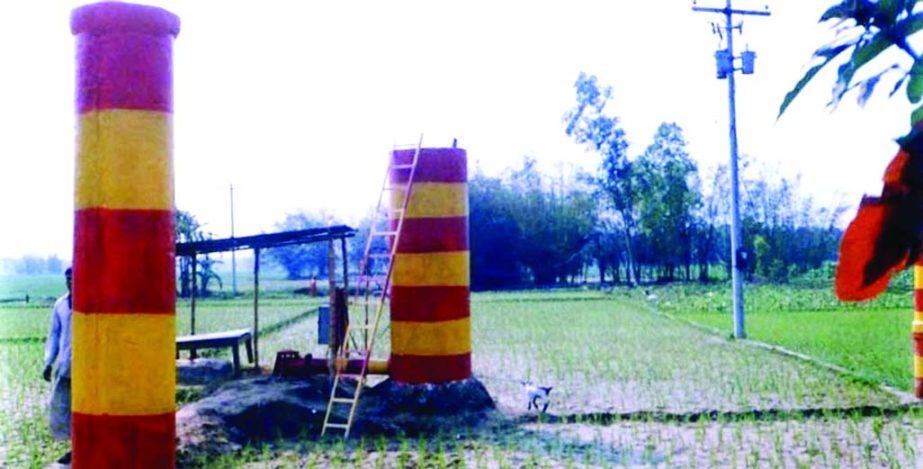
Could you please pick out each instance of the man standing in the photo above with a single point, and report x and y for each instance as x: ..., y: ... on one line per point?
x: 58, y: 352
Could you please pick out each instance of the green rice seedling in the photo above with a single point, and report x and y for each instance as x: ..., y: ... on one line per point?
x: 779, y: 446
x: 907, y: 446
x: 753, y: 458
x: 668, y: 456
x: 339, y: 458
x: 403, y: 452
x: 712, y: 457
x: 360, y: 454
x: 439, y: 456
x: 312, y: 462
x: 867, y: 449
x: 423, y: 453
x: 498, y: 456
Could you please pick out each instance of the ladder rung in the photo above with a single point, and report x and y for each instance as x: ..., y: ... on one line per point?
x: 355, y: 354
x: 371, y: 278
x: 371, y: 283
x: 356, y: 376
x: 390, y: 214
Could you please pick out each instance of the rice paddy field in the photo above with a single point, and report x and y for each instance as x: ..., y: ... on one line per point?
x: 635, y: 382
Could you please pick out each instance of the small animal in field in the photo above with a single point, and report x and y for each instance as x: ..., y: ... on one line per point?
x: 537, y: 395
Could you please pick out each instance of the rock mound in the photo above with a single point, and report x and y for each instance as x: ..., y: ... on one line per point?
x: 266, y: 409
x: 203, y: 371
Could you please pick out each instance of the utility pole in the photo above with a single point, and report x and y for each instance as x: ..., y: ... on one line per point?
x: 233, y: 251
x: 725, y: 62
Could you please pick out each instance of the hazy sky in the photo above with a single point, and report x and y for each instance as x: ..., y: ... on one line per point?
x: 298, y: 103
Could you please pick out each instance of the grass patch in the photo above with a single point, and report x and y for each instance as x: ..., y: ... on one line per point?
x: 38, y: 287
x: 871, y: 339
x: 603, y: 353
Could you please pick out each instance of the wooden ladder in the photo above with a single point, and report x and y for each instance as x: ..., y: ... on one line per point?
x: 374, y: 294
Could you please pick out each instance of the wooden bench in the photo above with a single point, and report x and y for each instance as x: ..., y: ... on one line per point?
x: 223, y: 339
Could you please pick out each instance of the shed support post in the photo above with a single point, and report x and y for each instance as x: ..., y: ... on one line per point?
x: 256, y: 308
x: 192, y: 292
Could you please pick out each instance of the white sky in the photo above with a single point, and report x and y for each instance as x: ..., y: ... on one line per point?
x: 298, y: 103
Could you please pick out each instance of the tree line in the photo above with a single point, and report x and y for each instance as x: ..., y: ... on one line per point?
x: 651, y: 217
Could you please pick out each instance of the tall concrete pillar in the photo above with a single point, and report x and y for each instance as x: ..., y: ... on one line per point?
x: 123, y: 371
x: 430, y: 314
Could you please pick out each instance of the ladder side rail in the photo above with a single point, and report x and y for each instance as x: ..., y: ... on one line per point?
x: 397, y: 238
x: 364, y: 262
x: 370, y: 341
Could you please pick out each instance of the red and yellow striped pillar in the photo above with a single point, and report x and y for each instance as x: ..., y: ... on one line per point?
x: 917, y: 330
x: 430, y: 314
x: 123, y: 369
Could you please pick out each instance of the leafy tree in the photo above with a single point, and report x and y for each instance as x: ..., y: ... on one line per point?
x: 590, y: 126
x: 555, y: 226
x: 188, y: 229
x: 521, y: 227
x: 34, y: 265
x: 607, y: 247
x: 711, y: 241
x: 667, y: 192
x: 302, y: 260
x: 790, y: 235
x: 493, y: 234
x: 868, y: 28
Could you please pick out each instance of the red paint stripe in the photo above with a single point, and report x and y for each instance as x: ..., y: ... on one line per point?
x: 433, y: 234
x: 124, y: 71
x: 124, y: 441
x: 918, y: 388
x: 117, y: 17
x: 416, y: 369
x: 429, y: 304
x: 124, y: 261
x: 918, y: 344
x: 918, y: 300
x: 434, y: 165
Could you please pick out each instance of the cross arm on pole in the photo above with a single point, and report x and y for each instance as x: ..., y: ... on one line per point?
x: 733, y: 11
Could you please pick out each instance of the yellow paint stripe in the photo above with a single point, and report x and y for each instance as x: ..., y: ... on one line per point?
x: 917, y: 276
x: 918, y: 367
x: 435, y: 269
x: 124, y: 160
x: 431, y: 338
x: 124, y: 364
x: 434, y: 200
x: 917, y: 324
